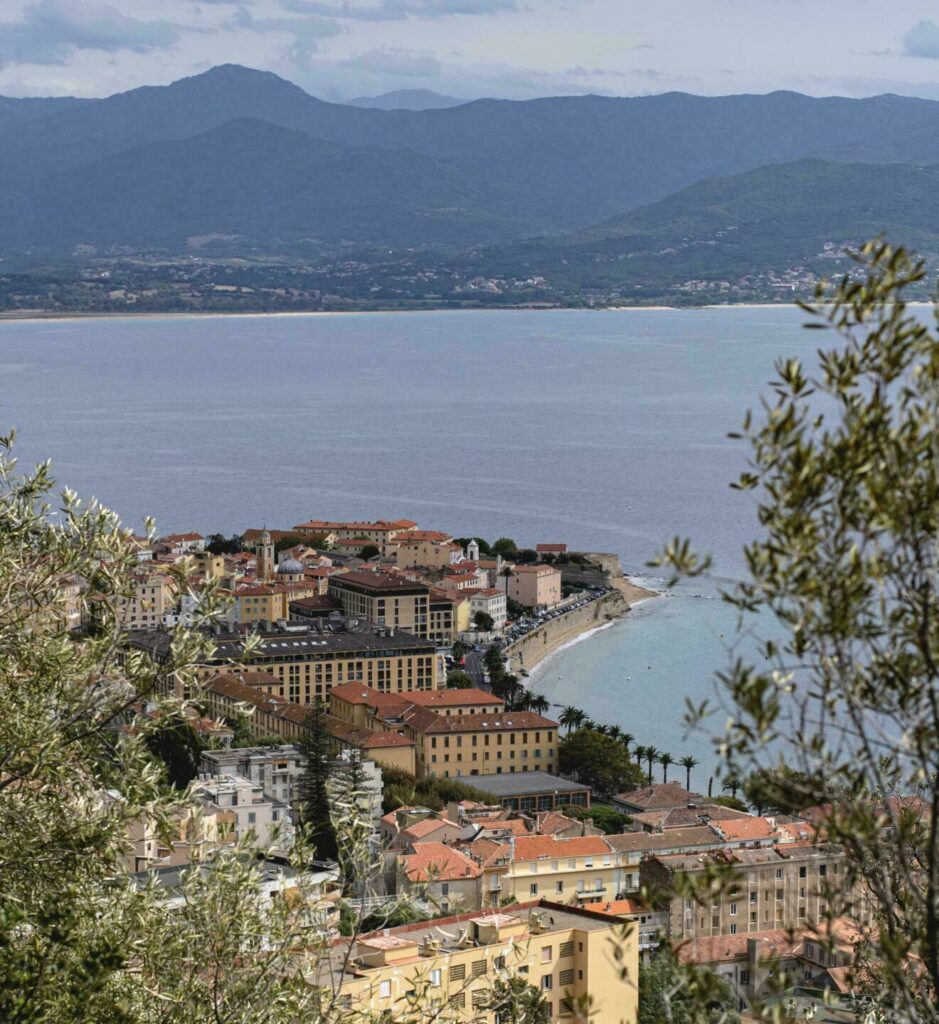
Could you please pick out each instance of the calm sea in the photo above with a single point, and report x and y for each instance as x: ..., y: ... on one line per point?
x: 603, y: 429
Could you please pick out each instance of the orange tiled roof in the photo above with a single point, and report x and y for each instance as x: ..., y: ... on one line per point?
x: 724, y: 948
x: 438, y: 862
x: 536, y: 847
x: 750, y: 828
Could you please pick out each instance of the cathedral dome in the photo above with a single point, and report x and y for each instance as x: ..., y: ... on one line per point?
x: 290, y: 567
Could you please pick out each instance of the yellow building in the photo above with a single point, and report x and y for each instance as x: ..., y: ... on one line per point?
x: 580, y: 870
x: 268, y: 602
x: 449, y: 615
x: 450, y: 964
x: 383, y: 599
x: 496, y: 742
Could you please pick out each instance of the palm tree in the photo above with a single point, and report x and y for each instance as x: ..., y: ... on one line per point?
x: 665, y: 760
x: 640, y: 753
x: 506, y: 572
x: 614, y: 732
x: 652, y: 755
x: 523, y: 700
x: 688, y: 762
x: 539, y: 703
x: 731, y: 785
x: 627, y: 739
x: 571, y: 718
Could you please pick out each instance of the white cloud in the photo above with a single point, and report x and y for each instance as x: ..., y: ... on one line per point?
x: 922, y: 40
x: 50, y: 31
x: 396, y: 10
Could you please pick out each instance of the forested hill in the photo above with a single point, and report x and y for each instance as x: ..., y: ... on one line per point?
x: 504, y: 170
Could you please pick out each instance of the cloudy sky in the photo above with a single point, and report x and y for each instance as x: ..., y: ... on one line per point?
x: 339, y: 49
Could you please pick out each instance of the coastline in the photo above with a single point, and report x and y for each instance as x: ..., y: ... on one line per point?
x: 533, y: 650
x: 14, y: 316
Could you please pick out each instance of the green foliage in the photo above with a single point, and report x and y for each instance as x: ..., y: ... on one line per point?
x: 670, y: 995
x: 611, y: 821
x: 734, y: 802
x: 318, y: 750
x: 840, y: 708
x: 514, y: 1001
x: 291, y: 541
x: 599, y: 761
x: 483, y: 622
x: 401, y: 789
x: 218, y: 544
x: 457, y: 679
x: 506, y: 547
x: 78, y: 942
x: 174, y: 741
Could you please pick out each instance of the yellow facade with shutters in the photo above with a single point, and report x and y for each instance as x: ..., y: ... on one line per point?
x: 568, y: 955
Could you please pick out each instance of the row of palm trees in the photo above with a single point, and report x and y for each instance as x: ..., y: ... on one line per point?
x: 572, y: 719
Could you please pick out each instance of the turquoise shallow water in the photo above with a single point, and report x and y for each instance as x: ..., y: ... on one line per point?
x: 603, y: 429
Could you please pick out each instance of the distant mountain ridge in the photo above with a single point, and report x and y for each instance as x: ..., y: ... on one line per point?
x: 484, y: 172
x: 407, y: 99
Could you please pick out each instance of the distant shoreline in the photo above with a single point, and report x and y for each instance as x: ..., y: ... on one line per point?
x: 31, y: 315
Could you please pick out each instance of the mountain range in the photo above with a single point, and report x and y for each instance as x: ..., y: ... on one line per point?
x: 252, y: 161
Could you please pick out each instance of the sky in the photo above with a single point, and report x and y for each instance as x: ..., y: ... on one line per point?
x: 517, y: 49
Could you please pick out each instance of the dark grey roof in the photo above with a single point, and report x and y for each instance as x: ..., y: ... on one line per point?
x: 521, y: 783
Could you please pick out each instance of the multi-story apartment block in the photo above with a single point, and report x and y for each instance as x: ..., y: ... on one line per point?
x: 450, y: 614
x: 256, y: 815
x: 490, y: 601
x: 498, y: 742
x: 581, y: 870
x: 384, y: 600
x: 307, y: 661
x: 378, y: 533
x: 267, y: 602
x: 564, y: 952
x: 535, y: 586
x: 778, y: 886
x: 154, y: 596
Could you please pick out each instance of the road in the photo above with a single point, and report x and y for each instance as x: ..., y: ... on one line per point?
x: 475, y: 668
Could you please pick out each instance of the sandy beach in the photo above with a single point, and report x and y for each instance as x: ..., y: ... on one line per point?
x: 538, y: 645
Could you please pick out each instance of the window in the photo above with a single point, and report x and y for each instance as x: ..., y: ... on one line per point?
x: 252, y: 817
x: 445, y: 889
x: 567, y: 949
x: 779, y: 895
x: 822, y: 870
x: 733, y: 929
x: 566, y: 977
x: 802, y: 871
x: 547, y: 983
x: 533, y: 889
x: 744, y: 977
x: 384, y: 989
x: 779, y: 872
x: 435, y: 977
x: 559, y: 887
x: 733, y: 910
x: 545, y: 954
x: 457, y: 972
x: 479, y: 968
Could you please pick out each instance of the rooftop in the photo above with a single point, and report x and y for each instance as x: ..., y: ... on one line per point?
x: 379, y: 582
x: 437, y: 862
x: 424, y: 720
x: 660, y: 795
x: 521, y: 783
x: 550, y: 847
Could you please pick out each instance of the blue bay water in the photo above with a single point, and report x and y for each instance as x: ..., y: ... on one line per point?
x: 603, y: 429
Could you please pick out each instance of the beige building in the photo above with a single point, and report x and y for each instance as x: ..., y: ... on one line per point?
x: 378, y: 533
x: 383, y: 599
x: 450, y: 614
x: 490, y: 601
x: 154, y: 596
x: 580, y: 870
x: 267, y: 602
x: 440, y: 875
x: 565, y: 953
x: 535, y: 586
x: 780, y: 886
x: 430, y: 554
x: 481, y: 744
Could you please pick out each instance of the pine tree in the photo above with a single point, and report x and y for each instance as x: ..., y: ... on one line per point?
x: 318, y: 749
